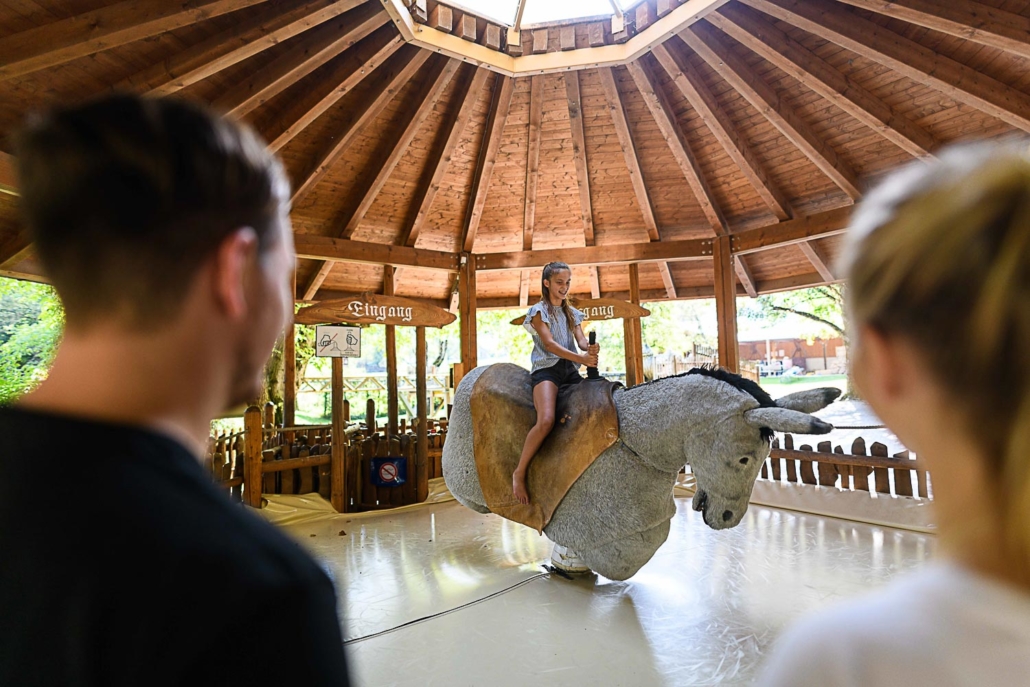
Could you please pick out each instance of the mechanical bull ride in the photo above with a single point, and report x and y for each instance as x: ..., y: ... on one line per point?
x: 601, y: 486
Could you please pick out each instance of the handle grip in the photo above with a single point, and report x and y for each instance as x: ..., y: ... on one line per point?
x: 592, y: 372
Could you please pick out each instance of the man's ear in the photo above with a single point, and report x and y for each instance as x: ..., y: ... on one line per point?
x: 233, y: 263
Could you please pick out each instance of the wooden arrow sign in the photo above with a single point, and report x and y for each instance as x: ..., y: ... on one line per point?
x: 602, y: 309
x: 370, y: 308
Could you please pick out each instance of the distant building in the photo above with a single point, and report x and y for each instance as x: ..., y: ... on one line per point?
x: 812, y: 355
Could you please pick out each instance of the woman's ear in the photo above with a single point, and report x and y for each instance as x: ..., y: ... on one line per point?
x: 880, y: 368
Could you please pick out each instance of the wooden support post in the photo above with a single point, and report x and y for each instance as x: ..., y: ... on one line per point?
x: 290, y: 368
x: 467, y: 313
x: 252, y: 457
x: 341, y: 413
x: 370, y: 417
x: 632, y: 333
x: 392, y: 411
x: 422, y: 445
x: 726, y: 303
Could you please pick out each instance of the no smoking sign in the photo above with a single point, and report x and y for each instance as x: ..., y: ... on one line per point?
x: 389, y: 472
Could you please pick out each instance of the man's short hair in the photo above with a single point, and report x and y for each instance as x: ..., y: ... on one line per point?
x: 125, y: 197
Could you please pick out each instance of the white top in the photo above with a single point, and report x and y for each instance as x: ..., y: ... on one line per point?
x: 562, y: 334
x: 943, y: 626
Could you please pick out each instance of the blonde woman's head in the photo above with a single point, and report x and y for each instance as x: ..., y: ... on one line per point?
x: 938, y: 257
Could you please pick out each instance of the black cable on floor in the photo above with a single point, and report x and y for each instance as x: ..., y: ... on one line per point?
x: 450, y: 610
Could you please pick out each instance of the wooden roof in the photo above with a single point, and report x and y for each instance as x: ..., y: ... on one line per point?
x: 765, y: 119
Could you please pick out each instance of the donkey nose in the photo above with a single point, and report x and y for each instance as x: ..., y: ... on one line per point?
x: 726, y: 515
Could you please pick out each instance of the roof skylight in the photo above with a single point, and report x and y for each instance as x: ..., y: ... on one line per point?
x: 542, y: 11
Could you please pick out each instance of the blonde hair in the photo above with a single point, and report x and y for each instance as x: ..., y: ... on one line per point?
x: 939, y: 254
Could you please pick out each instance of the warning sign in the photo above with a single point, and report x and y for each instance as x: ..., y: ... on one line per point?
x: 337, y: 342
x: 389, y: 472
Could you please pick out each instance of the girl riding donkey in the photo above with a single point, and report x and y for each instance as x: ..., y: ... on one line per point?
x: 555, y: 326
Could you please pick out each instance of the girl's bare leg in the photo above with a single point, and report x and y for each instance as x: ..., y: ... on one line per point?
x: 545, y: 395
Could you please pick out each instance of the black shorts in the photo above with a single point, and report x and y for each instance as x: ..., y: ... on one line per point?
x: 562, y: 373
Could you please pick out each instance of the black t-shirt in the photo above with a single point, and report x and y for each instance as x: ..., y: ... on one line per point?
x: 121, y: 564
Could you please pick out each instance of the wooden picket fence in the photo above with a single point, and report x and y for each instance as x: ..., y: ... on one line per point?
x: 306, y: 459
x: 861, y: 470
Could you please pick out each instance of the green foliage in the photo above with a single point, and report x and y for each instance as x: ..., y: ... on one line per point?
x: 820, y: 309
x: 31, y: 322
x: 674, y: 326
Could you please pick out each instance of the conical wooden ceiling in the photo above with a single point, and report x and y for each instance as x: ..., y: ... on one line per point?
x: 763, y: 119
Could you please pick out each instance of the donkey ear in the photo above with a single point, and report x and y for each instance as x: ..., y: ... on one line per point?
x: 786, y: 420
x: 811, y: 400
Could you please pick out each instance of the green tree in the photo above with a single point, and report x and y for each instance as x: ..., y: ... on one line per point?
x: 31, y: 323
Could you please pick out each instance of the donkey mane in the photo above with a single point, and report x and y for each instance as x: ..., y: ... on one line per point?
x: 723, y: 375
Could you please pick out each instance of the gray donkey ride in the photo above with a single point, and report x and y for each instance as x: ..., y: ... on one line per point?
x: 617, y: 514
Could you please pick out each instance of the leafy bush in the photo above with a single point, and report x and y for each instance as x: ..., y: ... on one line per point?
x: 31, y: 322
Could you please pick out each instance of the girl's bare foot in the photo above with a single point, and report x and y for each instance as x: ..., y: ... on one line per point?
x: 518, y: 487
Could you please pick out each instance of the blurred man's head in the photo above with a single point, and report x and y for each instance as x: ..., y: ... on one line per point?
x: 134, y: 204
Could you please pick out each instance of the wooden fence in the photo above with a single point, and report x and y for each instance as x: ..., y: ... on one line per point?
x: 656, y: 367
x: 860, y: 470
x: 270, y: 459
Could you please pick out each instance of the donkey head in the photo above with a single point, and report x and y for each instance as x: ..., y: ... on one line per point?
x: 727, y: 453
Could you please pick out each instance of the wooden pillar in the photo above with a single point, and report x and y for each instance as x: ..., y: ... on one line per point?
x: 632, y: 333
x: 290, y: 369
x: 726, y: 303
x: 422, y: 439
x: 392, y: 411
x: 467, y: 313
x: 338, y: 478
x: 252, y: 457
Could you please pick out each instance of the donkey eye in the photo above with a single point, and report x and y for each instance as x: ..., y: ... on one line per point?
x: 743, y: 461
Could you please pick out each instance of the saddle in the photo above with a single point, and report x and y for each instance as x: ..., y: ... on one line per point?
x: 585, y: 425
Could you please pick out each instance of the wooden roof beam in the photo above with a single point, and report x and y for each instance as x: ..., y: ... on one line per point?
x: 595, y: 282
x: 966, y: 19
x: 396, y: 74
x: 802, y: 229
x: 310, y: 52
x: 829, y: 21
x: 389, y: 154
x: 8, y: 175
x: 749, y: 28
x: 369, y: 253
x: 423, y: 102
x: 579, y: 156
x: 14, y: 248
x: 617, y: 254
x: 500, y: 103
x: 818, y: 260
x: 629, y: 150
x: 536, y: 114
x: 703, y: 101
x: 661, y: 110
x: 347, y: 72
x: 747, y: 280
x: 245, y: 39
x: 91, y: 32
x: 667, y: 280
x: 452, y: 128
x: 707, y: 43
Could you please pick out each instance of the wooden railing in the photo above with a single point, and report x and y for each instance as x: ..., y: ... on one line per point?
x: 859, y: 470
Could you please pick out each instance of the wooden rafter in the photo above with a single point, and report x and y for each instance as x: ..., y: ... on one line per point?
x: 966, y: 19
x: 433, y: 85
x: 830, y: 223
x: 706, y: 42
x: 747, y: 280
x: 8, y: 176
x: 579, y: 156
x: 524, y: 288
x: 313, y: 50
x: 617, y: 254
x: 500, y: 103
x: 536, y: 113
x: 618, y: 114
x: 265, y: 29
x: 14, y: 248
x: 749, y: 27
x: 390, y: 152
x: 703, y: 101
x: 369, y: 253
x: 907, y: 57
x: 397, y: 74
x: 667, y: 280
x: 466, y: 95
x: 818, y: 260
x: 662, y: 112
x: 91, y: 32
x: 347, y: 72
